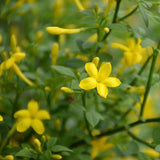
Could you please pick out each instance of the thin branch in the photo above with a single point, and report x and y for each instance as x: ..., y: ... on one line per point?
x: 140, y: 140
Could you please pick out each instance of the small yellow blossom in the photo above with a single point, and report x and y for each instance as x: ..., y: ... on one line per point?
x: 31, y: 118
x: 59, y: 31
x: 1, y: 118
x: 55, y: 50
x: 79, y: 5
x: 100, y: 145
x: 66, y: 90
x: 56, y: 156
x: 99, y: 79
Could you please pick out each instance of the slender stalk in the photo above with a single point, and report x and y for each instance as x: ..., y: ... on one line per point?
x: 140, y: 140
x: 129, y: 14
x: 118, y: 129
x: 84, y: 112
x: 148, y: 86
x: 10, y: 133
x: 116, y: 11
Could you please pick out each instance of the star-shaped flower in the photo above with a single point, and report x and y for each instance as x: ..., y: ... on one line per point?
x: 31, y: 118
x: 99, y: 79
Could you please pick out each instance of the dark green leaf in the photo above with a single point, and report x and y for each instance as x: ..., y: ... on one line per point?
x: 64, y: 70
x: 74, y: 63
x: 51, y: 142
x: 59, y: 148
x: 93, y: 117
x: 25, y: 153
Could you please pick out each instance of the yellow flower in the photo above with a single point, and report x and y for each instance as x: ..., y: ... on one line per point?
x: 1, y: 118
x: 99, y: 79
x: 151, y: 152
x: 55, y: 50
x: 58, y: 30
x: 110, y: 3
x: 133, y: 51
x: 31, y: 118
x: 8, y: 157
x: 100, y: 145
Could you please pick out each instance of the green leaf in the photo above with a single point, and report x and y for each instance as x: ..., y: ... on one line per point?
x: 51, y: 142
x: 143, y: 13
x: 48, y: 154
x: 59, y: 148
x: 156, y: 135
x: 64, y: 70
x: 74, y: 63
x: 157, y: 148
x: 93, y: 117
x: 142, y: 156
x: 25, y: 153
x: 132, y: 147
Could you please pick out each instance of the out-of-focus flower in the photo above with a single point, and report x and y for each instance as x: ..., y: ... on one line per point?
x: 99, y: 79
x: 55, y: 50
x: 79, y: 5
x: 106, y: 29
x: 82, y: 57
x: 47, y: 89
x: 134, y: 53
x: 0, y: 38
x: 108, y: 8
x: 100, y: 145
x: 92, y: 38
x: 37, y: 144
x: 58, y: 31
x: 151, y: 153
x: 57, y: 124
x: 96, y: 61
x: 58, y: 9
x: 137, y: 89
x: 31, y: 117
x: 1, y: 118
x: 8, y: 157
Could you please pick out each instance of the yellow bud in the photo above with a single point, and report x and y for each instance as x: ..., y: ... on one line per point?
x: 92, y: 38
x: 18, y: 56
x: 47, y: 89
x: 58, y: 30
x: 13, y: 43
x: 66, y: 90
x: 96, y: 61
x: 57, y: 124
x: 139, y: 89
x: 1, y: 118
x: 39, y: 35
x: 54, y: 52
x: 37, y: 144
x: 106, y: 30
x: 0, y: 38
x: 8, y: 157
x: 56, y: 156
x: 79, y: 5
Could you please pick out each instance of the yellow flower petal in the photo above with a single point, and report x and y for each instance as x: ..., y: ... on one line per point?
x: 91, y: 69
x: 1, y: 118
x: 23, y: 124
x: 112, y: 82
x: 7, y: 64
x: 38, y: 126
x: 22, y: 114
x: 120, y: 46
x: 102, y: 90
x: 95, y: 61
x: 18, y: 56
x: 104, y: 71
x: 88, y: 83
x: 33, y: 107
x: 42, y: 114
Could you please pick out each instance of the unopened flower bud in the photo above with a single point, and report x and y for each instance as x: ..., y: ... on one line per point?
x: 1, y: 118
x: 106, y: 30
x: 37, y: 144
x: 47, y: 89
x: 57, y: 124
x: 54, y: 52
x: 79, y: 5
x: 96, y: 61
x: 56, y: 156
x: 66, y: 90
x: 13, y: 43
x: 8, y: 157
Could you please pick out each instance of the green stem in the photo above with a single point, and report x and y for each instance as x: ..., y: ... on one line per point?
x: 84, y: 112
x: 148, y: 86
x: 116, y: 11
x: 142, y: 69
x: 129, y: 14
x: 140, y: 140
x: 10, y: 133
